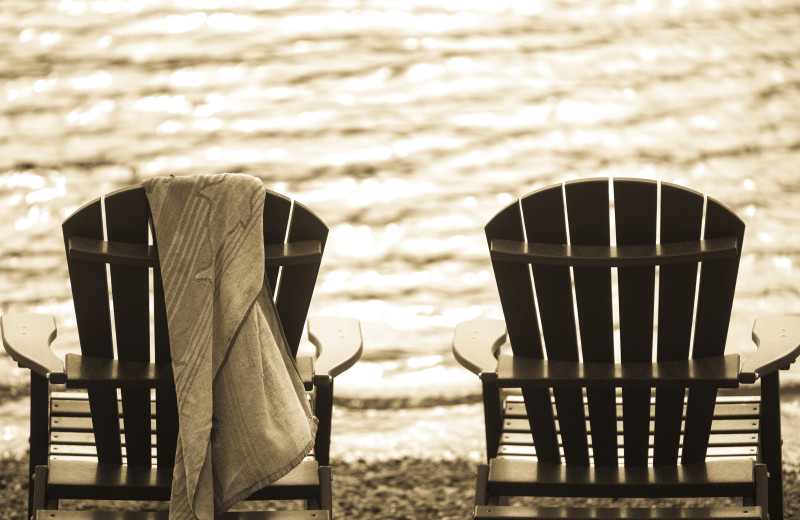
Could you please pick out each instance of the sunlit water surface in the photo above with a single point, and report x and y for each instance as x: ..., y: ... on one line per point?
x: 405, y: 124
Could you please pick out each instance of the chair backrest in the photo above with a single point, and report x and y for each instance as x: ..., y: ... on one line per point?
x: 571, y: 259
x: 121, y: 314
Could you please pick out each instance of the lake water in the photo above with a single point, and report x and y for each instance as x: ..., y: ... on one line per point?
x: 406, y: 124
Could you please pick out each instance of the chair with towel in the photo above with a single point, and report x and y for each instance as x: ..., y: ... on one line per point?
x: 191, y: 295
x: 609, y: 387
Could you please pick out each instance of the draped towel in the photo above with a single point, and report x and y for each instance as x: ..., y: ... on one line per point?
x: 244, y: 418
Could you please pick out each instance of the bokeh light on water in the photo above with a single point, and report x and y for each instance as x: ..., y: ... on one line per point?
x: 405, y: 124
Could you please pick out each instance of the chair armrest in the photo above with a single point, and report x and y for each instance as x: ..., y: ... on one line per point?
x: 714, y: 372
x: 27, y: 338
x: 778, y: 341
x: 339, y: 346
x: 476, y: 342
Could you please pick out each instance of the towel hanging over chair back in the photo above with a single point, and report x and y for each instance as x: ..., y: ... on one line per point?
x: 244, y: 418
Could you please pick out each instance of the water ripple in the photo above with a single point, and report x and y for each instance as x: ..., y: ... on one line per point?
x: 405, y: 125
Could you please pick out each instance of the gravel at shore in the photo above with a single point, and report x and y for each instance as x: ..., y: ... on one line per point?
x: 394, y: 489
x: 397, y: 463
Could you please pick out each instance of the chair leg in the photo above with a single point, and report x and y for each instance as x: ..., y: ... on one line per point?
x: 761, y: 496
x: 40, y: 499
x: 325, y: 492
x: 481, y: 480
x: 39, y: 434
x: 771, y: 452
x: 323, y: 409
x: 482, y: 497
x: 493, y: 419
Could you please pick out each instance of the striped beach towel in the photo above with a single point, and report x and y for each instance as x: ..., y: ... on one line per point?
x: 244, y: 418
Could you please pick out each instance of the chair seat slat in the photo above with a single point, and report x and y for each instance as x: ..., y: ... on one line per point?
x: 654, y: 513
x: 65, y: 438
x: 727, y: 406
x: 80, y: 424
x: 718, y: 425
x: 47, y: 514
x: 527, y: 477
x: 83, y: 479
x: 71, y: 407
x: 738, y: 452
x: 715, y: 439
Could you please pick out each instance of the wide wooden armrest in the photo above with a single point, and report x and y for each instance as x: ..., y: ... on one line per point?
x: 27, y: 338
x: 613, y: 256
x: 716, y: 372
x: 141, y: 255
x: 93, y: 372
x: 778, y: 341
x: 476, y: 342
x: 339, y: 346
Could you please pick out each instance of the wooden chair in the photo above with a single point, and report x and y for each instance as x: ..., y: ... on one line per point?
x: 116, y: 439
x: 642, y: 418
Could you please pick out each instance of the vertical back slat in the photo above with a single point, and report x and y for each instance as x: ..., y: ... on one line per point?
x: 714, y: 305
x: 635, y: 206
x: 277, y: 209
x: 588, y: 213
x: 297, y: 281
x: 681, y: 220
x: 545, y: 222
x: 519, y: 309
x: 90, y: 296
x: 717, y: 284
x: 514, y: 286
x: 166, y: 399
x: 126, y: 221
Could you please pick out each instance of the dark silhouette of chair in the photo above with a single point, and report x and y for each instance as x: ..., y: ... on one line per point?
x: 98, y: 444
x: 640, y: 416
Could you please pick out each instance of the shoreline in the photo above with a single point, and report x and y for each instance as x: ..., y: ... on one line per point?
x: 400, y: 488
x: 379, y: 428
x: 420, y: 462
x: 395, y: 401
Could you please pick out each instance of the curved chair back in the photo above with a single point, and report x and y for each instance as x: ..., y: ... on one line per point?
x: 571, y: 262
x: 120, y: 311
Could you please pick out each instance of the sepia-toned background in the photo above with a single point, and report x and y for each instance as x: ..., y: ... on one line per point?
x: 405, y: 124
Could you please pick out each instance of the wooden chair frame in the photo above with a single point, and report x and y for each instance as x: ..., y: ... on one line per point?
x: 581, y: 402
x: 75, y: 453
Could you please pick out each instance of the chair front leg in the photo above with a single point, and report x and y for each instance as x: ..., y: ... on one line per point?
x: 325, y: 491
x: 492, y: 417
x: 481, y: 486
x: 40, y: 498
x: 323, y: 409
x: 770, y: 441
x: 40, y: 431
x: 761, y: 495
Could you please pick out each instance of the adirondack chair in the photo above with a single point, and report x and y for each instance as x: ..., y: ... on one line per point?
x: 116, y: 439
x: 643, y: 418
